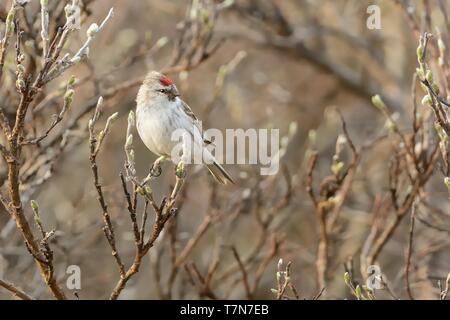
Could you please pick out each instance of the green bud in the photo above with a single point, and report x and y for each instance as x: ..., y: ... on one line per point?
x: 180, y: 171
x: 358, y: 292
x: 72, y: 81
x: 420, y: 73
x: 378, y: 103
x: 426, y: 100
x: 131, y: 155
x: 44, y: 3
x: 34, y: 205
x: 347, y: 279
x: 141, y: 191
x: 68, y: 97
x: 20, y: 69
x: 20, y: 84
x: 447, y: 182
x: 99, y: 102
x: 204, y: 16
x: 100, y: 135
x: 369, y: 292
x: 429, y: 76
x: 148, y: 189
x: 113, y: 117
x: 337, y: 167
x: 10, y: 27
x: 280, y: 263
x: 390, y: 125
x: 435, y: 88
x: 129, y: 141
x: 131, y: 118
x: 420, y: 53
x: 37, y: 219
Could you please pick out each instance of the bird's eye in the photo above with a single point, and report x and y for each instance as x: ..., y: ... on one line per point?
x: 162, y: 90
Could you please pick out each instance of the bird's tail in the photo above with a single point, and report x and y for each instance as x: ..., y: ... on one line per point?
x: 219, y: 173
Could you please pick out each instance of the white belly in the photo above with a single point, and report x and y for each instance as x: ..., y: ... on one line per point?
x: 156, y: 124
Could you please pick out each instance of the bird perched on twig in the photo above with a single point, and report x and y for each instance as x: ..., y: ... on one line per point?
x: 160, y: 112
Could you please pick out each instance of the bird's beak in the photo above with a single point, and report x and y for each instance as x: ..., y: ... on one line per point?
x: 173, y: 93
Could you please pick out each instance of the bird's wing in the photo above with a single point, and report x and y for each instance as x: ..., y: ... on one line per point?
x: 188, y: 111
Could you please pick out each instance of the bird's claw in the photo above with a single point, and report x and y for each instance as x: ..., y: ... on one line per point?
x: 155, y: 170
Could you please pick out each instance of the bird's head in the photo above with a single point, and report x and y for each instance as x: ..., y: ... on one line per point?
x: 158, y: 86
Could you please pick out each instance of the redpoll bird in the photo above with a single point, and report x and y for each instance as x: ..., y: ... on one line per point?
x: 160, y: 112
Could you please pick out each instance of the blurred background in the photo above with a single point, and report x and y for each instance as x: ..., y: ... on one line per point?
x: 292, y: 65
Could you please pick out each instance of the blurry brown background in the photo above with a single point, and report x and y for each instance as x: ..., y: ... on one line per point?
x: 277, y: 83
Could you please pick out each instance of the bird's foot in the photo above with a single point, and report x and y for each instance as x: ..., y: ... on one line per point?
x: 155, y: 170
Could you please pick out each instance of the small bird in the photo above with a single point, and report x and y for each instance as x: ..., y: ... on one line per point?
x: 160, y: 111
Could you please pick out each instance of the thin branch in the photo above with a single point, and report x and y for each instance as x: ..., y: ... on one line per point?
x: 244, y: 273
x: 409, y: 252
x: 15, y: 291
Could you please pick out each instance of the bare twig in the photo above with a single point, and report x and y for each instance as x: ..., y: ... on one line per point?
x: 409, y: 252
x: 14, y: 290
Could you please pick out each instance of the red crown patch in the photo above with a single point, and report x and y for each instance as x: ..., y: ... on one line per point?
x: 165, y: 81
